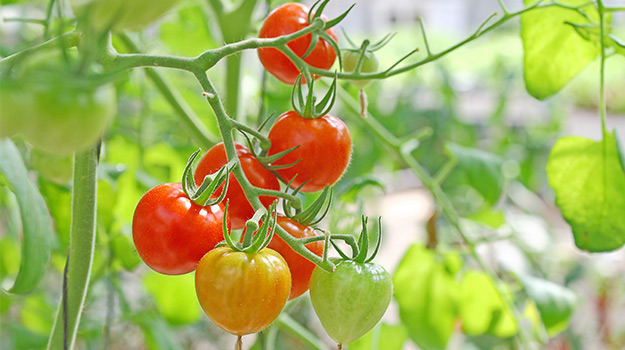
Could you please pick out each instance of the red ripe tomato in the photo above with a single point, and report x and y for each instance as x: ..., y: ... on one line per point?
x: 324, y: 151
x: 288, y: 19
x: 171, y: 233
x: 242, y: 293
x: 300, y: 267
x: 239, y: 210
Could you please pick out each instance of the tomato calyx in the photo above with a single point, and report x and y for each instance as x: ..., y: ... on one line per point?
x: 314, y: 213
x: 307, y: 107
x: 255, y: 238
x: 203, y: 195
x: 321, y: 33
x: 360, y: 254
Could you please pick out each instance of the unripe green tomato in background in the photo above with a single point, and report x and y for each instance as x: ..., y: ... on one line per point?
x: 120, y: 14
x: 370, y: 64
x: 54, y: 168
x: 15, y: 104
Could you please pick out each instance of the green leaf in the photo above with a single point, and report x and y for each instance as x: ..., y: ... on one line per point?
x: 554, y: 51
x: 187, y: 32
x: 124, y: 251
x: 491, y: 217
x: 427, y: 295
x: 483, y: 309
x: 382, y: 337
x: 589, y: 183
x: 158, y: 335
x: 174, y: 297
x: 482, y: 170
x: 36, y: 223
x: 37, y: 314
x: 555, y: 303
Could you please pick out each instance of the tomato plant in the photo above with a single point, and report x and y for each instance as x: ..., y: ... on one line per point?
x: 239, y: 209
x: 300, y: 267
x: 323, y: 152
x: 287, y: 19
x: 172, y: 233
x: 242, y: 293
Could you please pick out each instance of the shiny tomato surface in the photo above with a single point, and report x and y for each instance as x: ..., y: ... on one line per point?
x: 239, y: 208
x: 242, y: 293
x: 288, y: 19
x: 300, y: 267
x: 171, y: 233
x: 324, y: 151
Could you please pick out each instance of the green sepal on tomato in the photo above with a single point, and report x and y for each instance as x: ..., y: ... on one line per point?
x: 352, y: 299
x: 239, y: 210
x: 285, y: 20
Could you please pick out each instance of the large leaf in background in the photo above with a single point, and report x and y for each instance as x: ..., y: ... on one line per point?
x: 187, y: 32
x: 174, y: 296
x: 482, y: 170
x: 554, y: 51
x: 382, y: 337
x: 590, y: 190
x: 36, y: 224
x: 483, y: 309
x: 554, y: 302
x: 427, y: 295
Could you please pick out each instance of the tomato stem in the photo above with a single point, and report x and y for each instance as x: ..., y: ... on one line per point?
x: 239, y: 343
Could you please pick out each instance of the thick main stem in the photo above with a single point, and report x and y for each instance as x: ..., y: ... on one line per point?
x: 80, y: 255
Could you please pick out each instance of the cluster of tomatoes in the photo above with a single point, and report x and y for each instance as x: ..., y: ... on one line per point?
x: 176, y: 234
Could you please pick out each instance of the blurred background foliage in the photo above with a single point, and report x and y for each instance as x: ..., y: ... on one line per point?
x: 475, y: 103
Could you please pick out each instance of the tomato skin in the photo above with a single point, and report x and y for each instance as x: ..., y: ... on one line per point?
x: 300, y: 267
x: 288, y: 19
x: 239, y: 210
x: 242, y: 293
x: 171, y: 233
x: 370, y: 64
x: 324, y: 152
x: 351, y: 300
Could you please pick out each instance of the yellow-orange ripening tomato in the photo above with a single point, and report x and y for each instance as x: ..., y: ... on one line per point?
x: 243, y: 293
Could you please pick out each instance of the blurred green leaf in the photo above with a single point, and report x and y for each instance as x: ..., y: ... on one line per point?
x: 124, y: 251
x: 491, y: 217
x: 554, y: 51
x: 427, y: 294
x: 555, y: 303
x: 37, y: 314
x: 482, y: 170
x: 186, y: 33
x: 163, y: 160
x: 483, y: 309
x: 382, y: 337
x: 158, y: 335
x: 590, y: 186
x: 24, y: 339
x: 174, y: 296
x: 36, y: 224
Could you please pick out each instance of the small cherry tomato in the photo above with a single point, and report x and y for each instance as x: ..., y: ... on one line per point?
x: 239, y: 209
x: 324, y: 151
x: 350, y: 300
x: 171, y: 233
x: 370, y: 64
x: 242, y: 293
x: 288, y: 19
x: 300, y: 267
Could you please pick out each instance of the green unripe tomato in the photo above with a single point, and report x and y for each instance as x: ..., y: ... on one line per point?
x: 57, y: 169
x: 370, y: 64
x: 15, y: 105
x: 351, y: 300
x: 120, y: 14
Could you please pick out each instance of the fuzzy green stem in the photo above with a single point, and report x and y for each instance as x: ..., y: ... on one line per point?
x: 81, y: 246
x: 289, y: 325
x: 225, y: 124
x: 66, y: 40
